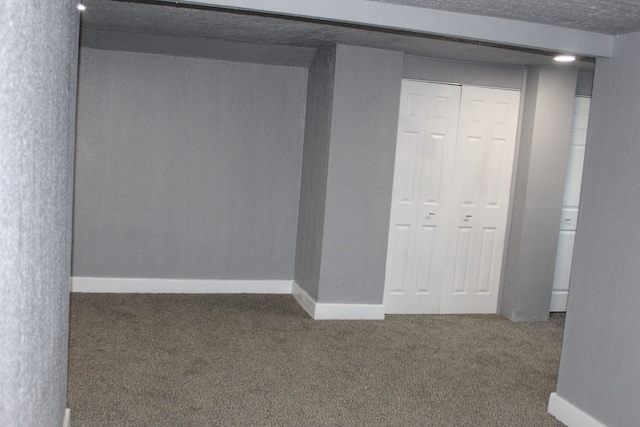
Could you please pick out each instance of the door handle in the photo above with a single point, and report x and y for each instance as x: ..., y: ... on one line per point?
x: 467, y: 217
x: 429, y: 216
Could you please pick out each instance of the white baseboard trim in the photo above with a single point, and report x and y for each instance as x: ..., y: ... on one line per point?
x: 304, y: 299
x: 325, y: 311
x: 178, y: 286
x: 559, y: 300
x: 318, y: 311
x: 67, y: 418
x: 570, y: 414
x: 349, y: 311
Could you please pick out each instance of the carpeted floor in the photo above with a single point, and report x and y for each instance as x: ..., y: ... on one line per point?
x: 259, y: 360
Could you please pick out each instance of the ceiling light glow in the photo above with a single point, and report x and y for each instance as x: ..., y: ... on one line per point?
x: 81, y: 7
x: 565, y: 58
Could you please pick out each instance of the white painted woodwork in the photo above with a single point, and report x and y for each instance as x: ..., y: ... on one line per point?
x: 425, y: 153
x: 571, y: 199
x: 481, y: 186
x: 569, y: 414
x: 66, y: 422
x: 562, y: 273
x: 179, y: 286
x: 333, y: 311
x: 454, y: 159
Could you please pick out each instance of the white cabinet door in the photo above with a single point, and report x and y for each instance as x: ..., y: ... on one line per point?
x: 454, y: 158
x: 573, y: 182
x: 564, y: 259
x: 481, y: 187
x: 425, y: 153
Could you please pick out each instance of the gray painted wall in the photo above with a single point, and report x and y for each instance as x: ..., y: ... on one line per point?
x: 197, y: 47
x: 599, y: 369
x: 537, y: 196
x: 360, y: 178
x: 38, y: 62
x: 585, y: 83
x: 315, y: 162
x: 436, y: 70
x: 186, y: 167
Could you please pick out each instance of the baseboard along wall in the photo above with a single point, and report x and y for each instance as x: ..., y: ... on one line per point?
x: 332, y: 311
x: 569, y: 414
x: 559, y: 301
x: 318, y: 311
x: 178, y: 286
x: 67, y: 418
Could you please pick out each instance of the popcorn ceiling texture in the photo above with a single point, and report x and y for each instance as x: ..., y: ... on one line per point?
x: 38, y: 63
x: 601, y: 16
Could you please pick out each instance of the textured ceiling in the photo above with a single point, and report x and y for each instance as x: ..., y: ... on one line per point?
x: 167, y: 19
x: 600, y: 16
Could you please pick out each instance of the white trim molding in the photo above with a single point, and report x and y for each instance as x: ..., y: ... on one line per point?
x: 336, y: 311
x: 559, y: 300
x: 318, y: 311
x: 304, y: 299
x: 569, y: 414
x: 67, y: 418
x: 178, y: 286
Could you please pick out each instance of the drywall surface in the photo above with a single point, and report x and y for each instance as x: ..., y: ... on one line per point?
x: 584, y: 86
x: 360, y: 178
x: 537, y: 196
x: 187, y: 167
x: 38, y: 64
x: 599, y: 369
x: 436, y: 70
x: 429, y: 21
x: 315, y: 161
x: 197, y: 47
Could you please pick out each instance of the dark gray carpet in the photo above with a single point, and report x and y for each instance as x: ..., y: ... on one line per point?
x: 259, y: 360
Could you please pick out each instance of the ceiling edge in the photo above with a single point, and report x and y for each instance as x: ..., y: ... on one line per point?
x: 429, y: 21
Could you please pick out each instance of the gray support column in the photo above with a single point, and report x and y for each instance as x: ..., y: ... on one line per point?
x: 599, y: 369
x: 360, y: 175
x: 537, y: 197
x: 347, y: 174
x: 38, y: 65
x: 315, y: 165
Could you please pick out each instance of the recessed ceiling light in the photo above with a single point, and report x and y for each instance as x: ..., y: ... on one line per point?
x: 81, y: 7
x: 565, y: 58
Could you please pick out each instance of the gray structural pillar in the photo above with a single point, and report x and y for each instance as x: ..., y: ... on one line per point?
x: 599, y: 369
x: 538, y: 191
x: 347, y: 176
x: 315, y: 166
x: 38, y: 65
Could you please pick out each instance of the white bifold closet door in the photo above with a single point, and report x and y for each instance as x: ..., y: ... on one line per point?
x: 454, y: 159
